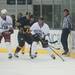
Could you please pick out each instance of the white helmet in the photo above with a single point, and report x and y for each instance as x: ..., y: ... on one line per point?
x: 3, y: 11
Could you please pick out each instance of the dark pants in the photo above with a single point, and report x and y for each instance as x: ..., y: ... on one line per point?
x: 22, y: 38
x: 64, y: 39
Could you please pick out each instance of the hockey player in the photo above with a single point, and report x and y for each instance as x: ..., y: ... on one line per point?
x: 24, y: 35
x: 6, y: 30
x: 33, y: 36
x: 40, y: 31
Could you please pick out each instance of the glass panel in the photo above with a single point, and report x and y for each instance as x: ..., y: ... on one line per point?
x: 57, y: 16
x: 47, y: 14
x: 21, y: 2
x: 11, y: 2
x: 29, y: 1
x: 36, y: 10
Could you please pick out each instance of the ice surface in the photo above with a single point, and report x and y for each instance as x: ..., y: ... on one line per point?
x: 42, y: 65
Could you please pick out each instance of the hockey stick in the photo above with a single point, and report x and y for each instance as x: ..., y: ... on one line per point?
x: 30, y: 53
x: 54, y: 51
x: 54, y: 47
x: 56, y: 54
x: 32, y: 57
x: 53, y: 43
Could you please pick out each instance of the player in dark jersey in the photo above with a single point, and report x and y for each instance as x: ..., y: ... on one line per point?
x: 24, y: 35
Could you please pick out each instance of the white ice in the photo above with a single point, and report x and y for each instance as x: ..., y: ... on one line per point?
x: 42, y: 65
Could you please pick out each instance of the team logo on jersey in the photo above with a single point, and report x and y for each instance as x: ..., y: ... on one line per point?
x: 5, y: 25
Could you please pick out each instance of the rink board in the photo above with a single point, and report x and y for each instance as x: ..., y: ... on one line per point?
x: 54, y: 35
x: 40, y: 51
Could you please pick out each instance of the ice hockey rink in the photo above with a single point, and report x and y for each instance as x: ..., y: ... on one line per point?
x: 42, y: 65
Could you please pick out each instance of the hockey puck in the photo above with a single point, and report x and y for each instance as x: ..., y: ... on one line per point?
x: 53, y: 57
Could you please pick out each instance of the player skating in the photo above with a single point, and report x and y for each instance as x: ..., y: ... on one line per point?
x: 33, y: 36
x: 6, y: 30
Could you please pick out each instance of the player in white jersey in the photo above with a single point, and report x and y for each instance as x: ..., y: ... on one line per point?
x: 40, y: 27
x: 40, y: 31
x: 6, y: 30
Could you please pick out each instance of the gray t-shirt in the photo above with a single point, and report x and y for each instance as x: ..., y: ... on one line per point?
x: 67, y: 22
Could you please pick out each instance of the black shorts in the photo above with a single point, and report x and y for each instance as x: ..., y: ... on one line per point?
x: 25, y: 38
x: 22, y: 38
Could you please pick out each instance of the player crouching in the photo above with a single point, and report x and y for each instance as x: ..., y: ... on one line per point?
x: 40, y: 31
